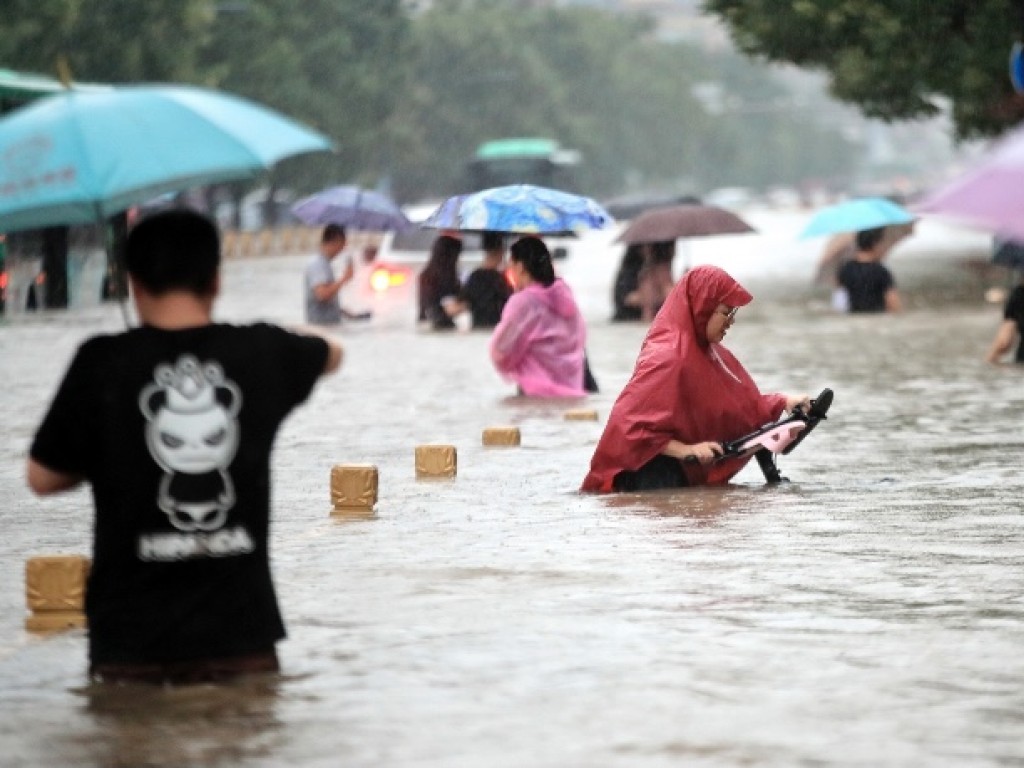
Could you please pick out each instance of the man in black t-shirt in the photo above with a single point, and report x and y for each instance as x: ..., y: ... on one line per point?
x: 868, y: 283
x: 486, y: 289
x: 172, y: 424
x: 1011, y: 330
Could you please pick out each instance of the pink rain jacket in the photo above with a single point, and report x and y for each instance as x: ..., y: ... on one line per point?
x: 539, y: 342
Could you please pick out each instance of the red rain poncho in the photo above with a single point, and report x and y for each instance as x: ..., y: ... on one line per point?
x: 684, y: 388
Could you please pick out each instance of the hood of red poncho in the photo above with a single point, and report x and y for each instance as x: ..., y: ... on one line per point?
x: 683, y: 388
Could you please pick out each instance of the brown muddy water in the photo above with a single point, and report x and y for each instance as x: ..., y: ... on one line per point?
x: 868, y: 613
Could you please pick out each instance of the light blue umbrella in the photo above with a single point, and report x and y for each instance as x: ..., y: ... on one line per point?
x: 78, y: 157
x: 855, y: 216
x: 22, y: 87
x: 350, y: 206
x: 520, y: 209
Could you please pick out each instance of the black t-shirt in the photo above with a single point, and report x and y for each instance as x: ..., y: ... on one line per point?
x: 1014, y: 310
x: 866, y: 283
x: 173, y: 430
x: 486, y: 291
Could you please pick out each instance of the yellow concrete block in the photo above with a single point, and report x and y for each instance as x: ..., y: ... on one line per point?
x: 55, y: 592
x: 245, y: 244
x: 265, y: 242
x: 353, y: 513
x: 502, y: 436
x: 435, y: 461
x: 354, y: 486
x: 581, y: 415
x: 285, y: 239
x: 55, y: 621
x: 229, y: 244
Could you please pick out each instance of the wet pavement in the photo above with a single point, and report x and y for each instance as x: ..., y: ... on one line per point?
x: 869, y: 612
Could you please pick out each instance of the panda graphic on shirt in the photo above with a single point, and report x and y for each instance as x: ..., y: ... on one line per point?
x: 192, y: 433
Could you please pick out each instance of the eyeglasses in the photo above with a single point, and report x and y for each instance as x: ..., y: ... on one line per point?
x: 730, y: 314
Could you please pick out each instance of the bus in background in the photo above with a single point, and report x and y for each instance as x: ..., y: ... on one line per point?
x: 537, y: 161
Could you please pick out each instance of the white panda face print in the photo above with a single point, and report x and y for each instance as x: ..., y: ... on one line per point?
x: 192, y: 433
x: 193, y: 442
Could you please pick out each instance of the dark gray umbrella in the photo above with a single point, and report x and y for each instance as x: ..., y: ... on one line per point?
x: 665, y: 224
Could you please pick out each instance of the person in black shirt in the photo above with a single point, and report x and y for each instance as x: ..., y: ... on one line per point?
x: 486, y: 289
x: 868, y: 283
x: 172, y: 425
x: 1011, y: 330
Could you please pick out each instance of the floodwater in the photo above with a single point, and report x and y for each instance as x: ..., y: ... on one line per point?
x: 868, y: 613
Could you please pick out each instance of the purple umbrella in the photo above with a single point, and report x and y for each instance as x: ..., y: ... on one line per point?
x: 352, y: 207
x: 990, y: 196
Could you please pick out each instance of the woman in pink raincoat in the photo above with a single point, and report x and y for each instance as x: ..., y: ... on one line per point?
x: 539, y: 342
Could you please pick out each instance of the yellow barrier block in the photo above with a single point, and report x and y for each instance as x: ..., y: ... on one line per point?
x: 581, y: 415
x: 353, y: 487
x: 245, y: 244
x: 502, y: 436
x: 436, y: 461
x: 265, y: 242
x: 229, y: 243
x: 55, y: 592
x: 285, y: 239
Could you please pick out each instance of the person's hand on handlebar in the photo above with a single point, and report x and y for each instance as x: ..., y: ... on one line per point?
x: 705, y: 452
x: 803, y: 402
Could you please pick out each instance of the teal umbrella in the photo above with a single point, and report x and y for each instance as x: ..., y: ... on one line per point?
x: 81, y: 156
x: 21, y: 87
x: 855, y: 216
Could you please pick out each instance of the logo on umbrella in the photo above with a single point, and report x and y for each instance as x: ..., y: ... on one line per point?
x: 23, y: 164
x: 24, y: 157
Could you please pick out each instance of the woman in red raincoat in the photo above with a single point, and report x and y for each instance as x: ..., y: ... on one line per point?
x: 687, y: 394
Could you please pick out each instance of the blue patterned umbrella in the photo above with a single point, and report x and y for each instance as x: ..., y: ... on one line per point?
x: 520, y: 209
x: 352, y: 207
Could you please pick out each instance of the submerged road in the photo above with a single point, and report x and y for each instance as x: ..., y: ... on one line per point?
x: 869, y: 612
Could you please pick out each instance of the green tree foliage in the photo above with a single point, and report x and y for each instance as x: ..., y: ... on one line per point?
x: 335, y: 64
x: 410, y: 98
x: 115, y: 41
x: 895, y: 59
x: 602, y: 84
x: 338, y: 65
